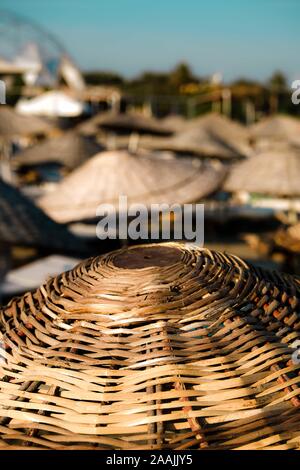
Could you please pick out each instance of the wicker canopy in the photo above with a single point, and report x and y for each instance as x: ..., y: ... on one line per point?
x: 69, y: 150
x: 124, y: 123
x: 14, y: 124
x: 143, y: 178
x: 158, y: 346
x: 274, y: 172
x: 278, y: 127
x: 23, y: 223
x: 211, y: 135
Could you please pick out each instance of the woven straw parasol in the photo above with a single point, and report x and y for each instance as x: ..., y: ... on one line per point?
x: 124, y: 123
x: 13, y: 124
x: 278, y: 127
x: 211, y: 135
x: 143, y: 178
x: 158, y: 346
x: 69, y: 150
x: 23, y: 223
x: 274, y: 172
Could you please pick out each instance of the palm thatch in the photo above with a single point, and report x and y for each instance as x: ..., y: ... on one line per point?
x: 158, y: 347
x: 124, y: 124
x: 14, y: 124
x: 273, y: 172
x: 278, y: 127
x: 69, y: 150
x: 211, y: 135
x: 143, y: 178
x: 23, y: 223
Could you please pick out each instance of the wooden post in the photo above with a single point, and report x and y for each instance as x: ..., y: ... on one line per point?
x: 226, y: 98
x: 5, y: 264
x: 250, y: 112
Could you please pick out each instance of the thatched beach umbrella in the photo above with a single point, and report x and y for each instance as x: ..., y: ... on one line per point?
x: 211, y: 135
x: 69, y: 150
x: 158, y: 346
x: 289, y: 238
x: 278, y: 128
x: 274, y: 172
x: 143, y: 178
x: 13, y: 124
x: 124, y: 123
x: 174, y: 122
x: 23, y: 223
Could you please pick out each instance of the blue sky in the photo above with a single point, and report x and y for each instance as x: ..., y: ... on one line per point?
x: 249, y: 38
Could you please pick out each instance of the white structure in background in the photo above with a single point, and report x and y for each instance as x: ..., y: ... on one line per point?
x: 30, y: 61
x: 51, y: 104
x: 36, y: 273
x: 217, y: 78
x: 71, y: 74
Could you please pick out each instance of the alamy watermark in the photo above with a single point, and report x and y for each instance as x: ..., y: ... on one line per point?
x: 296, y: 353
x: 2, y: 356
x: 2, y: 92
x: 296, y: 94
x: 155, y: 222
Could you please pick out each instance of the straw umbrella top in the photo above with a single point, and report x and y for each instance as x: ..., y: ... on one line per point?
x: 211, y: 135
x: 279, y: 127
x: 124, y: 123
x: 174, y: 122
x: 171, y: 346
x: 143, y: 178
x: 220, y: 125
x: 23, y: 223
x: 14, y: 124
x: 70, y: 150
x: 275, y: 172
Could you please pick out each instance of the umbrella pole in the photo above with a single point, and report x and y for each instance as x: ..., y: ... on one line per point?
x: 292, y: 212
x: 5, y: 265
x: 5, y: 170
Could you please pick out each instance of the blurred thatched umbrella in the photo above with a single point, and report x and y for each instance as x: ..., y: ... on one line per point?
x: 158, y: 346
x: 23, y: 223
x: 124, y: 123
x: 143, y: 178
x: 69, y: 150
x: 278, y: 127
x: 174, y: 122
x: 289, y: 238
x: 13, y: 124
x: 274, y: 172
x: 211, y: 135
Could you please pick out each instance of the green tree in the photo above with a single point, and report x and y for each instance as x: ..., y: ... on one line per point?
x: 278, y: 81
x: 181, y: 75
